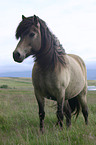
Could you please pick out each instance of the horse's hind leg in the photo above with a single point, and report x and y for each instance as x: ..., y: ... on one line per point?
x: 67, y: 113
x: 83, y: 102
x: 85, y: 114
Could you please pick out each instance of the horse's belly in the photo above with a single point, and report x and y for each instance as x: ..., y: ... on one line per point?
x: 73, y: 90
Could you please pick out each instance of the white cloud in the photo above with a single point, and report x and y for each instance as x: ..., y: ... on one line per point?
x: 72, y: 21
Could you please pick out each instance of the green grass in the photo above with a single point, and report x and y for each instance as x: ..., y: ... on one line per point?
x: 19, y: 121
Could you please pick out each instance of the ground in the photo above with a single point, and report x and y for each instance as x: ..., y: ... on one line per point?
x: 19, y: 121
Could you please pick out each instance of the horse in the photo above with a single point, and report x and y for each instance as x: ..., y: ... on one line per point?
x: 56, y: 75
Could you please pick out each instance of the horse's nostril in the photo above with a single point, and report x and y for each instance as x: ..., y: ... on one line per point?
x: 16, y: 56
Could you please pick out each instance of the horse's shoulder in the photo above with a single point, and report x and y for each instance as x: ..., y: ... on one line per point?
x: 35, y: 70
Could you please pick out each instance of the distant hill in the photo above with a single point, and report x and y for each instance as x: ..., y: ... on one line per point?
x: 91, y: 70
x: 91, y: 74
x: 17, y: 74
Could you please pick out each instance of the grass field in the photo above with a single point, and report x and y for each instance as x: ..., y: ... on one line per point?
x: 19, y: 121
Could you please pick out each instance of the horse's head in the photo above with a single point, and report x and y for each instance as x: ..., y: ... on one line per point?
x: 30, y: 38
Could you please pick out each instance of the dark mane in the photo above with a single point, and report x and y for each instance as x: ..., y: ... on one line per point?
x: 51, y: 51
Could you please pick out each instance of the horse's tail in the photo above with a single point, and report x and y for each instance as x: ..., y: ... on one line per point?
x: 75, y: 106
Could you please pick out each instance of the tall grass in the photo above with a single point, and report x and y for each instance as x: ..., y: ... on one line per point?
x: 19, y: 121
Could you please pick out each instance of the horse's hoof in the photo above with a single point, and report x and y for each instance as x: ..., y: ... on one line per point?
x: 42, y: 130
x: 86, y: 122
x: 60, y: 125
x: 68, y: 125
x: 57, y: 123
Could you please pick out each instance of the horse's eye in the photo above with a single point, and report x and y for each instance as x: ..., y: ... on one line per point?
x: 31, y: 35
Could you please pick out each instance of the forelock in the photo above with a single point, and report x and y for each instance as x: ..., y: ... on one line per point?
x: 24, y: 26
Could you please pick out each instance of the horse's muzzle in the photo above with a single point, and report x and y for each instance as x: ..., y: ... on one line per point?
x: 17, y: 57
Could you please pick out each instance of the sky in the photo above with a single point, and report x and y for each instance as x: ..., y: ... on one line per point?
x: 72, y: 21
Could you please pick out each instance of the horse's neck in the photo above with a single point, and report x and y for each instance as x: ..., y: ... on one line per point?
x: 51, y: 53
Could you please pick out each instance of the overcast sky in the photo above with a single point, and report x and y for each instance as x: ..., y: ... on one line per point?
x: 72, y: 21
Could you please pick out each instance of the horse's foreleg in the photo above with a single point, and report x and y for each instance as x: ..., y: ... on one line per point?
x: 41, y: 116
x: 40, y: 101
x: 60, y: 113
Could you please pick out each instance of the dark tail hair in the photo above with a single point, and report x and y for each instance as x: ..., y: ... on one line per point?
x: 75, y: 106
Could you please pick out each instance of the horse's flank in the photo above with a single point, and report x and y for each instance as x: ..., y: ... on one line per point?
x: 78, y: 77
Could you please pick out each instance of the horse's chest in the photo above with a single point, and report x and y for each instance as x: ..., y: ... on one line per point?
x: 46, y: 84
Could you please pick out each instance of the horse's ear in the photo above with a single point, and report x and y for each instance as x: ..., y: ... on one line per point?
x: 35, y: 20
x: 23, y: 17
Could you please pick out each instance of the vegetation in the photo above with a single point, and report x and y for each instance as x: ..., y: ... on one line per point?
x: 19, y: 121
x: 4, y: 86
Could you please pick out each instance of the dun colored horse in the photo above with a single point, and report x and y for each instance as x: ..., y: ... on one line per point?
x: 56, y: 75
